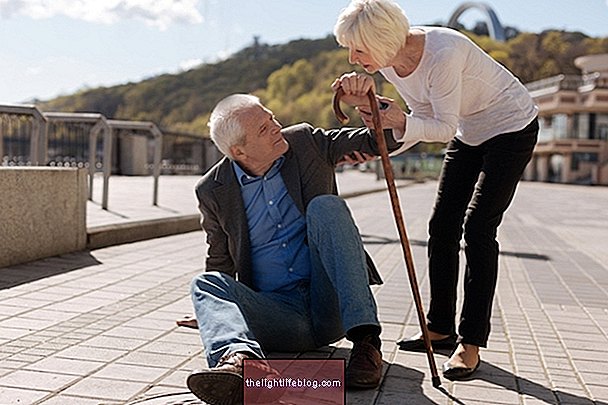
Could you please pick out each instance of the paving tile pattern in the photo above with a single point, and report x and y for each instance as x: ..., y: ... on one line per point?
x: 98, y: 327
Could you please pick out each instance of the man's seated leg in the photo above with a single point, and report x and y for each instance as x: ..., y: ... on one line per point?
x: 340, y: 291
x: 235, y: 322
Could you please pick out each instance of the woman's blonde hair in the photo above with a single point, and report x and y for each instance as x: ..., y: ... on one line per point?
x: 378, y: 26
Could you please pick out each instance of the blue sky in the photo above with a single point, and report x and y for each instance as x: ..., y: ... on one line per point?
x: 52, y: 47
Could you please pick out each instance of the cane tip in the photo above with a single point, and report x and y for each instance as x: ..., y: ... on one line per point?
x: 436, y: 381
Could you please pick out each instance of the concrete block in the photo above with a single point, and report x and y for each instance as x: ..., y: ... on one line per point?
x: 133, y: 155
x: 42, y: 212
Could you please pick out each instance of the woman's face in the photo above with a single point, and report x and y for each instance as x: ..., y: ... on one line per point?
x: 363, y: 58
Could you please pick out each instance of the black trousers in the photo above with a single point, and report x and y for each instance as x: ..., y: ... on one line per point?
x: 476, y: 186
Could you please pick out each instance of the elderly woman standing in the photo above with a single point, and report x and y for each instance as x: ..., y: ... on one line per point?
x: 457, y: 94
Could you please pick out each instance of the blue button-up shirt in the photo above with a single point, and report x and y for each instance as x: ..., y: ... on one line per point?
x: 277, y: 230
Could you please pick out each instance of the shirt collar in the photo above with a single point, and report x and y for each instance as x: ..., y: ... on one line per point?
x: 244, y: 178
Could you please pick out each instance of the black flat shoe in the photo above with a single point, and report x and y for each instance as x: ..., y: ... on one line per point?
x: 459, y: 373
x: 416, y: 344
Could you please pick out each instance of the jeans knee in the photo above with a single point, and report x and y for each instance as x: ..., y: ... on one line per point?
x: 208, y: 281
x: 325, y: 208
x: 323, y: 203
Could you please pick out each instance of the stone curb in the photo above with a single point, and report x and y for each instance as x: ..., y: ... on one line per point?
x: 117, y: 234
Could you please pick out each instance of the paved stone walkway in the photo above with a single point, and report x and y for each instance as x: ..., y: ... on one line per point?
x: 98, y: 327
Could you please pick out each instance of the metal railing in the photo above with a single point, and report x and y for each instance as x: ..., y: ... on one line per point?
x: 30, y: 137
x: 76, y: 128
x: 135, y: 128
x: 553, y: 84
x: 185, y: 153
x: 23, y: 136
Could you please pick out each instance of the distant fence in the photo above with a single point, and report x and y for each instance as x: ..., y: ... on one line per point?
x: 22, y: 136
x: 416, y: 166
x: 29, y: 137
x: 187, y: 153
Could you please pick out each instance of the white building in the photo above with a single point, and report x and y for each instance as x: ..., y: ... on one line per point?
x: 573, y: 140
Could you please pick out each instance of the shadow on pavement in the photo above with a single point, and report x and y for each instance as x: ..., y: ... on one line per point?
x: 406, y: 384
x: 400, y: 385
x: 27, y: 272
x: 505, y: 379
x: 403, y: 385
x: 383, y: 240
x: 109, y: 211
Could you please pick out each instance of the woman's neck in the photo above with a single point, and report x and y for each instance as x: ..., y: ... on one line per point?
x: 409, y: 56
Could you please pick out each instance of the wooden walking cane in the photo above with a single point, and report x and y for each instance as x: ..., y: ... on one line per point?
x: 405, y: 244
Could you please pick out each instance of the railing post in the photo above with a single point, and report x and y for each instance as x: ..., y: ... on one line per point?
x: 107, y: 164
x: 38, y: 136
x: 1, y: 141
x: 93, y: 154
x: 34, y: 142
x: 43, y: 142
x: 158, y: 152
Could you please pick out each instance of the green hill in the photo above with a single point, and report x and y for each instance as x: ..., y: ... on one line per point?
x: 293, y: 80
x: 180, y: 101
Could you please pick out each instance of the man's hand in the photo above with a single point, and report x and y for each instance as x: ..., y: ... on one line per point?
x: 355, y: 158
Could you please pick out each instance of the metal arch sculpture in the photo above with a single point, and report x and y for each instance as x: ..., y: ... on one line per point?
x: 495, y: 28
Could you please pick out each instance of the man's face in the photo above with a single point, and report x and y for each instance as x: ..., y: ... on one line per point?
x: 264, y: 142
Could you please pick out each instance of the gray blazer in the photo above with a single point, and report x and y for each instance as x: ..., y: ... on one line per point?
x: 308, y: 171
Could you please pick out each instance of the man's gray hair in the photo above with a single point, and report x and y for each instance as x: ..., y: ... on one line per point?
x: 225, y: 121
x: 378, y: 26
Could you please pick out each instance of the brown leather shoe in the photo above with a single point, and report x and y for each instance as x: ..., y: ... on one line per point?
x: 221, y: 385
x: 364, y: 368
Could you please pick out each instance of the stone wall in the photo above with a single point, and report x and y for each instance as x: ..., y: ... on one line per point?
x: 42, y: 212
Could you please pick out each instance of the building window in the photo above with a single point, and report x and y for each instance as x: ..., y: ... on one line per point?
x: 601, y: 127
x: 545, y: 133
x: 583, y: 126
x: 602, y: 132
x: 560, y: 126
x: 580, y: 157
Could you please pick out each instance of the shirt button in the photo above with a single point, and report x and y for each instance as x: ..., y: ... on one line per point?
x: 291, y: 270
x: 284, y: 245
x: 270, y: 202
x: 279, y: 226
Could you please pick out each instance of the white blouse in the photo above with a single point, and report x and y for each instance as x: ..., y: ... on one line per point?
x: 459, y: 90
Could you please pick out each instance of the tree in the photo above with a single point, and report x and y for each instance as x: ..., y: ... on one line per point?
x: 294, y: 80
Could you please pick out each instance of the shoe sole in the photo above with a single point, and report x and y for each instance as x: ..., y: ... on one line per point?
x: 217, y: 387
x: 461, y: 374
x: 418, y: 345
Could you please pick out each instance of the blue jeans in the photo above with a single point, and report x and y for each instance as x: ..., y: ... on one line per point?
x: 234, y: 318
